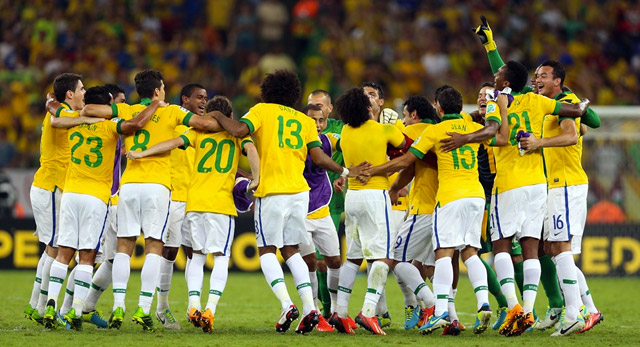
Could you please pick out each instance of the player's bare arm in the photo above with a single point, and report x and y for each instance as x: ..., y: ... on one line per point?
x: 254, y: 164
x: 321, y: 159
x: 233, y: 127
x: 138, y: 122
x: 574, y: 110
x: 52, y: 106
x: 206, y: 123
x: 394, y: 165
x: 568, y: 137
x: 159, y: 148
x: 404, y: 178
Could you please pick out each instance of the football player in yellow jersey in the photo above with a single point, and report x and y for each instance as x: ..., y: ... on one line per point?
x: 284, y: 137
x: 367, y: 208
x: 210, y: 218
x: 145, y: 195
x: 48, y: 181
x: 566, y: 200
x: 193, y: 97
x: 84, y: 204
x: 459, y: 206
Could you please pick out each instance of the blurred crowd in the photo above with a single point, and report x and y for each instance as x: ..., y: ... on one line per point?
x: 408, y: 46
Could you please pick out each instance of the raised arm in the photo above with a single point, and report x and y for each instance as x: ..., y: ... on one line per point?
x: 233, y: 127
x: 139, y: 121
x: 485, y: 34
x: 158, y: 148
x: 254, y: 164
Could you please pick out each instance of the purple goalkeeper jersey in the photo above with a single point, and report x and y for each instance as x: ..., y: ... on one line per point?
x: 318, y: 180
x: 116, y: 168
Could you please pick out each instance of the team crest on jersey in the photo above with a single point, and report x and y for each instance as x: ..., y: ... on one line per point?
x: 416, y: 141
x: 491, y: 108
x: 68, y: 111
x: 116, y: 119
x: 184, y: 109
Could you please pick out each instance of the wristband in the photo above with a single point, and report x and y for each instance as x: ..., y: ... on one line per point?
x: 345, y: 172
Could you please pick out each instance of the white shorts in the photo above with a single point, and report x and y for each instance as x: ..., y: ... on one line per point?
x: 566, y: 213
x: 324, y: 235
x: 576, y: 244
x: 458, y: 224
x: 279, y: 219
x: 109, y: 243
x: 46, y: 212
x: 211, y: 232
x: 143, y: 206
x: 367, y: 224
x: 173, y: 236
x: 397, y: 218
x: 414, y: 238
x: 186, y: 235
x: 518, y: 212
x: 83, y: 219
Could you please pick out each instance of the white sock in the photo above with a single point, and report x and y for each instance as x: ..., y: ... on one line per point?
x: 99, y: 283
x: 333, y: 278
x: 347, y: 278
x: 504, y: 272
x: 44, y: 286
x: 149, y: 277
x: 442, y: 281
x: 410, y: 276
x: 195, y: 278
x: 218, y: 281
x: 164, y: 283
x: 68, y: 293
x: 57, y: 275
x: 300, y: 273
x: 478, y: 277
x: 531, y: 270
x: 585, y: 293
x: 35, y: 292
x: 568, y: 279
x: 451, y: 304
x: 408, y: 295
x: 313, y: 279
x: 186, y: 269
x: 376, y: 282
x: 381, y: 306
x: 275, y: 278
x: 82, y: 282
x: 121, y: 272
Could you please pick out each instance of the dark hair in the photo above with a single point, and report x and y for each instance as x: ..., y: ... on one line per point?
x: 439, y: 90
x: 63, y: 82
x: 323, y: 92
x: 375, y: 86
x: 558, y: 70
x: 517, y: 75
x: 422, y: 106
x: 188, y: 89
x: 450, y: 100
x: 113, y: 89
x: 97, y: 96
x: 219, y: 103
x: 281, y: 87
x: 353, y: 107
x: 310, y: 107
x: 487, y: 84
x: 147, y: 82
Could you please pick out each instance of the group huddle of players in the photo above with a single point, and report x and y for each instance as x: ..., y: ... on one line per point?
x: 419, y: 193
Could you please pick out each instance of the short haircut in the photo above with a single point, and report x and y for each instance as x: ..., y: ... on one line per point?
x: 323, y: 92
x: 423, y: 107
x: 558, y: 69
x: 113, y: 89
x: 375, y: 86
x: 487, y: 84
x: 97, y: 96
x: 281, y: 87
x: 439, y: 90
x: 188, y: 89
x: 219, y: 103
x: 450, y: 100
x: 147, y: 82
x: 311, y: 107
x: 64, y: 82
x: 517, y: 75
x: 353, y: 107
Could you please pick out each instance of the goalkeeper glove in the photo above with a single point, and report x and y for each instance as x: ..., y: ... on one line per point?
x: 485, y: 34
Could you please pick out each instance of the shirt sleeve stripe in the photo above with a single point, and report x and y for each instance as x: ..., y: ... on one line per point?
x: 187, y: 118
x: 114, y: 110
x: 119, y: 126
x: 58, y: 111
x: 314, y: 144
x: 249, y: 124
x: 186, y: 141
x: 493, y: 118
x: 416, y: 152
x: 557, y: 108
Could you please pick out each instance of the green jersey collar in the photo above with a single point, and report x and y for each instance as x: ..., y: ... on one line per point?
x: 145, y: 101
x: 428, y: 121
x: 450, y: 116
x: 65, y: 103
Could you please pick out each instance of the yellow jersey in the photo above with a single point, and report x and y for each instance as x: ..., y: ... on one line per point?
x: 422, y: 197
x: 156, y: 168
x: 368, y: 142
x: 214, y: 171
x: 458, y: 169
x: 527, y: 112
x: 402, y: 204
x: 283, y: 137
x: 563, y: 164
x: 181, y: 167
x: 93, y: 150
x: 54, y: 152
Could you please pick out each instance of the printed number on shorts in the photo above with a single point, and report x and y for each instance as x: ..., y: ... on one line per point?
x: 514, y: 119
x: 558, y: 224
x: 398, y: 241
x: 93, y: 141
x: 457, y: 153
x: 218, y: 148
x: 294, y: 128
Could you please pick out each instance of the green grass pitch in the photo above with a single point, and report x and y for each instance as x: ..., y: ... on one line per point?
x: 248, y: 311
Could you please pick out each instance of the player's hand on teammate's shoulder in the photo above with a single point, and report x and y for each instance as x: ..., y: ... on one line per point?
x: 51, y: 103
x: 163, y: 103
x: 455, y: 141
